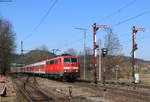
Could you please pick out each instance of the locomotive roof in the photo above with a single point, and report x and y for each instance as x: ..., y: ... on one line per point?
x: 62, y: 57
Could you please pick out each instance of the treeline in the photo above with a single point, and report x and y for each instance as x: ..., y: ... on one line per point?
x: 33, y: 56
x: 7, y: 45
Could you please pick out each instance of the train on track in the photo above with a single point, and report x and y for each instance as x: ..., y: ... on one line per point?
x: 64, y: 67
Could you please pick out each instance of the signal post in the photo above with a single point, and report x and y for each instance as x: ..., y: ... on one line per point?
x: 134, y: 48
x: 95, y: 28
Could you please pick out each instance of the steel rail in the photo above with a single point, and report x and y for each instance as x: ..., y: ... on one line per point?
x: 23, y: 92
x: 129, y: 93
x: 34, y: 87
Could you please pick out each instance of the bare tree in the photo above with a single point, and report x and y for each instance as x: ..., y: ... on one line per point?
x: 89, y: 63
x: 89, y: 51
x: 7, y: 46
x: 114, y: 52
x: 112, y: 43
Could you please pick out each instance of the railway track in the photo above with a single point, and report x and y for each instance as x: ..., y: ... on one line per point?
x: 113, y: 89
x: 33, y: 93
x: 116, y: 89
x: 122, y: 84
x: 145, y: 96
x: 129, y: 85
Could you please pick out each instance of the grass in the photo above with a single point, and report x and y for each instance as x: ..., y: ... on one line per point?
x: 141, y: 72
x: 20, y: 100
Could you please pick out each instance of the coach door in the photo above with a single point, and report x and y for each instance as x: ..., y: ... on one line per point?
x: 59, y: 65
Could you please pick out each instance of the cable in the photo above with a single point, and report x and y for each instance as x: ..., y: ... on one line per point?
x: 131, y: 18
x: 124, y: 21
x: 42, y: 20
x: 139, y: 39
x: 118, y: 11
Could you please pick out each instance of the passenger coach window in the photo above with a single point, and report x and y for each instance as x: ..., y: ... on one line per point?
x: 55, y: 61
x: 41, y: 67
x: 52, y: 62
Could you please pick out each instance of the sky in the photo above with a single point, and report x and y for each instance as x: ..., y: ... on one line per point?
x: 56, y: 30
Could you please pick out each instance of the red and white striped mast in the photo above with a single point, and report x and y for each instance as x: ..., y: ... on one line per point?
x: 134, y: 48
x: 95, y: 28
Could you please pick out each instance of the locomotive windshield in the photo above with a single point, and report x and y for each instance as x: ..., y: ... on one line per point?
x: 70, y: 60
x: 74, y: 60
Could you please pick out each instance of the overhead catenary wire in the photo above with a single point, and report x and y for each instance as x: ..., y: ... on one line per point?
x: 124, y: 21
x: 117, y: 11
x: 131, y: 18
x: 42, y: 20
x: 51, y: 7
x: 141, y: 38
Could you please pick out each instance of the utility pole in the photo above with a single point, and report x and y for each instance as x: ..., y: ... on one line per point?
x: 134, y: 48
x: 95, y: 28
x: 103, y: 55
x: 84, y: 30
x: 116, y: 71
x: 100, y: 61
x: 22, y: 52
x: 21, y: 47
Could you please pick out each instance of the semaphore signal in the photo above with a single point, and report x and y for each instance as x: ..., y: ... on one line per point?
x: 134, y: 48
x: 95, y: 28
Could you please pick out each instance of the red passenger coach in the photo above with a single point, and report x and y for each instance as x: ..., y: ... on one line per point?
x: 61, y: 67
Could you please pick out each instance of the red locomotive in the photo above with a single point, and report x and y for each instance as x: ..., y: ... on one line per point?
x: 62, y: 67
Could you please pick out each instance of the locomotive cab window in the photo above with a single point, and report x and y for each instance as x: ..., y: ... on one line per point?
x: 67, y: 60
x: 52, y: 62
x: 74, y: 60
x: 70, y: 60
